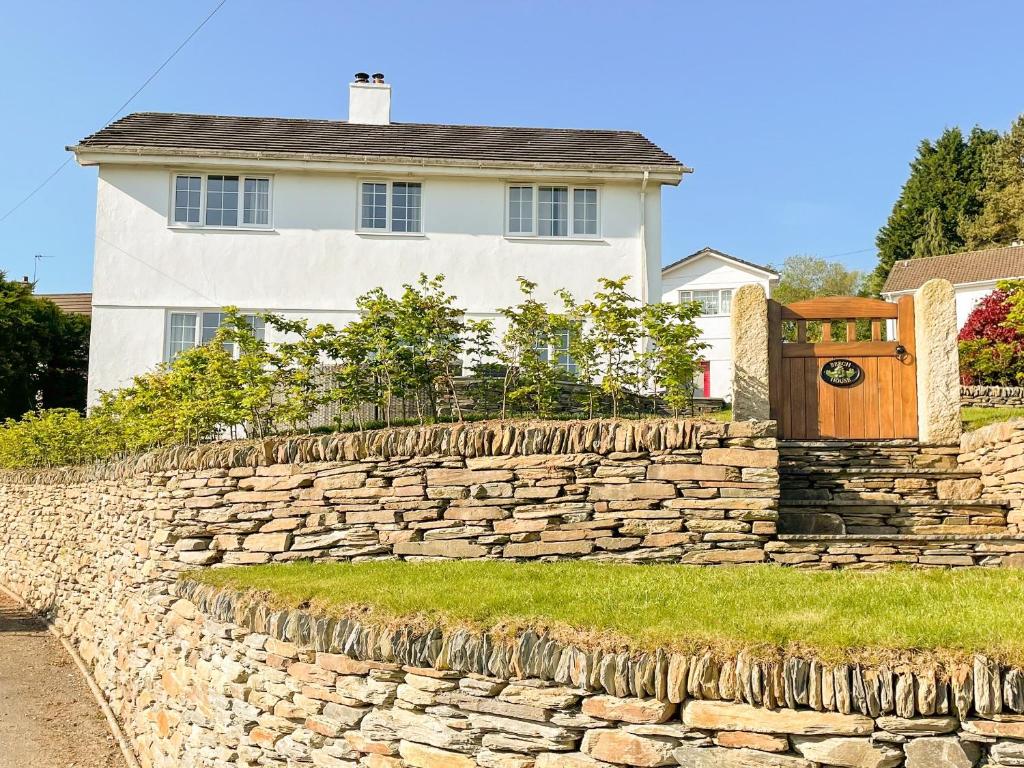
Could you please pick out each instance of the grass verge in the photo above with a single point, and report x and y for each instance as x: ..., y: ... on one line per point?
x: 973, y: 417
x: 832, y: 615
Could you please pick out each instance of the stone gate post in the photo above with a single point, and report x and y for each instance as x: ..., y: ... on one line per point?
x: 750, y: 354
x: 938, y: 364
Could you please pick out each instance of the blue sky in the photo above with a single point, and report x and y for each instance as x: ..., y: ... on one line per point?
x: 799, y: 118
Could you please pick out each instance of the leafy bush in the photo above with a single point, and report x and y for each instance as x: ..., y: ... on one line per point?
x: 52, y: 438
x: 992, y: 339
x: 610, y: 350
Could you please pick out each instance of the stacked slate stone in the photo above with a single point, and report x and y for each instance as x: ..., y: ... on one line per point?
x: 668, y: 490
x: 858, y: 504
x: 297, y: 688
x: 992, y: 397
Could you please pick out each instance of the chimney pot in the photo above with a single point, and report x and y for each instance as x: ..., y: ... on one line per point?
x: 378, y: 77
x: 362, y: 77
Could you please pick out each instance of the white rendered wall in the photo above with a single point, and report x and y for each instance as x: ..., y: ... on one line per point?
x: 967, y: 297
x: 705, y: 273
x: 313, y: 263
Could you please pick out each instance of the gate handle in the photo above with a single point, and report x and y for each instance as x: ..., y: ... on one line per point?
x: 901, y: 351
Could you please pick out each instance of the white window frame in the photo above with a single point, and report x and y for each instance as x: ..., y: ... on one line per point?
x: 204, y: 176
x: 360, y: 229
x: 721, y: 291
x: 550, y: 352
x: 570, y: 209
x: 197, y: 339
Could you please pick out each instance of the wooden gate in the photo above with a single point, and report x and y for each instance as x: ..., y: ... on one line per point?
x: 840, y: 387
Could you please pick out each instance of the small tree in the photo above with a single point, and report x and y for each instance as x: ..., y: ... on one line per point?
x: 582, y: 348
x: 672, y: 358
x: 531, y: 378
x: 613, y: 319
x: 299, y: 385
x: 430, y: 329
x: 485, y: 385
x: 374, y: 340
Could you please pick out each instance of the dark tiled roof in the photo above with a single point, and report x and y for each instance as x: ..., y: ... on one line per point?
x: 76, y: 303
x: 707, y: 250
x: 958, y: 268
x: 335, y: 137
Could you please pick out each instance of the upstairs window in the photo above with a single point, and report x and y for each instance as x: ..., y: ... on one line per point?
x: 520, y: 210
x: 716, y: 301
x: 220, y: 200
x: 188, y: 203
x: 391, y: 206
x: 552, y: 211
x: 186, y: 330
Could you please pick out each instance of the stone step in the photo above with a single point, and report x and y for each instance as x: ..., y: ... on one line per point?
x: 798, y: 504
x: 904, y: 516
x: 1016, y: 542
x: 838, y: 445
x: 870, y: 551
x: 922, y: 472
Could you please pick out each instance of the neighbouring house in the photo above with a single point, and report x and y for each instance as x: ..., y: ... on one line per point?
x: 974, y: 275
x: 710, y: 276
x: 299, y: 217
x: 73, y: 303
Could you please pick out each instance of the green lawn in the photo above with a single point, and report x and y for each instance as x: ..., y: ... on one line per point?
x: 980, y: 417
x: 832, y: 614
x: 723, y: 415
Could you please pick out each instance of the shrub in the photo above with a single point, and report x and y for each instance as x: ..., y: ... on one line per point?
x: 53, y: 438
x: 992, y: 339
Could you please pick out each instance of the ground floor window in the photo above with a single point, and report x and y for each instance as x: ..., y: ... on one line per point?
x: 186, y: 330
x: 558, y: 353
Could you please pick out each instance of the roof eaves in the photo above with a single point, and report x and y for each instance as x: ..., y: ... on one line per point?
x: 676, y: 170
x: 714, y: 252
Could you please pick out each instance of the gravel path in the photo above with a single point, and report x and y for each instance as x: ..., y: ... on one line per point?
x: 48, y: 716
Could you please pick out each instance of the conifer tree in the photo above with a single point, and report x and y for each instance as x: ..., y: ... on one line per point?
x: 1001, y: 220
x: 946, y: 177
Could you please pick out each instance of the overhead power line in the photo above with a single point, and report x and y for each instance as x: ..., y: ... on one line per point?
x: 847, y: 253
x: 118, y: 111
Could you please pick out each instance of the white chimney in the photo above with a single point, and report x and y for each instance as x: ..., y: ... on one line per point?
x: 369, y: 103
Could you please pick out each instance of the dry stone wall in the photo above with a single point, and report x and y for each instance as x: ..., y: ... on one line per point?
x: 199, y: 679
x: 996, y: 453
x: 239, y: 684
x: 991, y: 397
x: 679, y: 491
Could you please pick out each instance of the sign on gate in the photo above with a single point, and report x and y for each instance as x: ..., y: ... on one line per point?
x: 849, y: 382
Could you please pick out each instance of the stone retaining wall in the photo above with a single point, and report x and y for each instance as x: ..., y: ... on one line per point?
x: 996, y: 452
x: 239, y: 684
x: 679, y: 491
x: 194, y: 682
x: 992, y: 397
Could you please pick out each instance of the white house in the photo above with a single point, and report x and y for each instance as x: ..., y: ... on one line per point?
x: 299, y: 217
x: 710, y: 277
x: 974, y: 275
